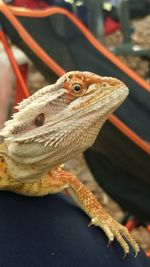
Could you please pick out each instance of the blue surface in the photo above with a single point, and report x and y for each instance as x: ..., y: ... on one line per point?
x: 52, y: 232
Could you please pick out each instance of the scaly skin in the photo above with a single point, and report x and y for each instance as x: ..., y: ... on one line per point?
x: 56, y: 123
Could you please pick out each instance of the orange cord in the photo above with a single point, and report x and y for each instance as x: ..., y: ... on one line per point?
x: 131, y: 224
x: 14, y: 64
x: 129, y: 133
x: 89, y: 36
x: 30, y: 41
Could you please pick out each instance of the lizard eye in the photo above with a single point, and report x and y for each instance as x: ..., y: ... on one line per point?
x: 39, y: 120
x: 76, y: 88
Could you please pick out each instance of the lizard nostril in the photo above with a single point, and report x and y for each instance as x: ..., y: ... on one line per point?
x: 39, y: 120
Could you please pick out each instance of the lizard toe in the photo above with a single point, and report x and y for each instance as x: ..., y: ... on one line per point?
x: 124, y: 231
x: 113, y: 229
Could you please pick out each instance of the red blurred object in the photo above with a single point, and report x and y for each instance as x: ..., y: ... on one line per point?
x: 110, y: 25
x: 148, y: 254
x: 148, y: 228
x: 33, y: 4
x: 19, y: 92
x: 19, y: 77
x: 131, y: 224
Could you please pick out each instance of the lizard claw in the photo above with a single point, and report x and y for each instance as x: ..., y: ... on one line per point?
x: 113, y: 230
x: 109, y: 242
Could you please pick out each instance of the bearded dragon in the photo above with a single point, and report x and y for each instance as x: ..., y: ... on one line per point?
x: 56, y: 123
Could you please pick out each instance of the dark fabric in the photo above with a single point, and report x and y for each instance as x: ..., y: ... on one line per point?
x: 122, y: 169
x: 51, y: 231
x: 131, y: 195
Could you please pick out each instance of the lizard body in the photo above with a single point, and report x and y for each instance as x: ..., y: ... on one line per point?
x: 53, y: 125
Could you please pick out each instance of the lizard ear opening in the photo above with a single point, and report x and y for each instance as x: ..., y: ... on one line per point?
x: 39, y: 120
x: 105, y: 85
x: 1, y: 138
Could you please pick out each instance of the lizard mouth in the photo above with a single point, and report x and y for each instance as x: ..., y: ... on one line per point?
x: 118, y: 95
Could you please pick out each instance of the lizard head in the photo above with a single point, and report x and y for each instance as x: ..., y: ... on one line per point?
x: 59, y: 121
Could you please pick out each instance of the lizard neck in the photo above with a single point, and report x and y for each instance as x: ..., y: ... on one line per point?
x: 6, y: 180
x: 14, y: 170
x: 28, y: 162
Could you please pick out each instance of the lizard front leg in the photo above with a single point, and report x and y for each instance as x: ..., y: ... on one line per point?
x: 58, y: 180
x: 99, y: 217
